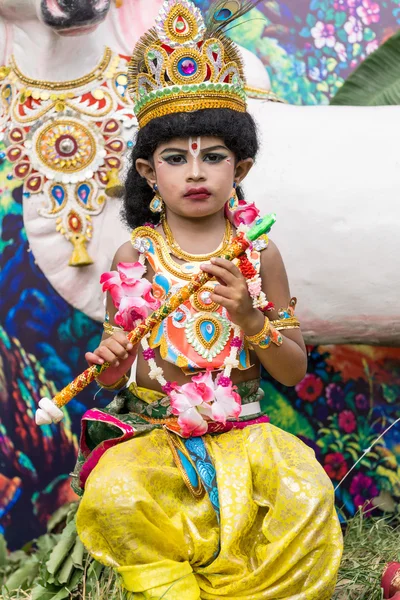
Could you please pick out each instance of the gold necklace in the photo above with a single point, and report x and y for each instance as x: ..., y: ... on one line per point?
x: 97, y: 73
x: 177, y: 251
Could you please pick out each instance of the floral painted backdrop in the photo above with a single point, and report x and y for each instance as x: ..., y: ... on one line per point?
x: 348, y: 398
x: 42, y: 345
x: 310, y: 47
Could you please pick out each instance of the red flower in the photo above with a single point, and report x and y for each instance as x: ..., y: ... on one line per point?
x: 347, y: 421
x: 309, y: 388
x: 335, y: 465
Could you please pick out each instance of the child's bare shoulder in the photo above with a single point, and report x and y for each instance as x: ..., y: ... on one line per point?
x: 273, y: 274
x: 125, y: 254
x: 271, y: 257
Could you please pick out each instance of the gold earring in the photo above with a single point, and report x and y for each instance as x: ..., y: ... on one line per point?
x: 233, y: 201
x: 157, y: 204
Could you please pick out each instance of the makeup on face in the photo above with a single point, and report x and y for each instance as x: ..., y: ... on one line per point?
x: 194, y: 150
x: 201, y: 160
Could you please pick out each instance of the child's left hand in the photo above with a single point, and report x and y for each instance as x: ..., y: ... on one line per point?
x: 232, y: 293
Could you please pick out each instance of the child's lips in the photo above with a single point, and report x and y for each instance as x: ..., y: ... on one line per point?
x: 198, y: 194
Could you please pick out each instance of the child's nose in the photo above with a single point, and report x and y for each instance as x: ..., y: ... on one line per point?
x: 196, y: 170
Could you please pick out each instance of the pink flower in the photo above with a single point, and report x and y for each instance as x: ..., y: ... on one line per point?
x: 130, y: 272
x: 346, y: 5
x: 130, y: 293
x: 131, y: 311
x: 201, y: 398
x: 354, y: 29
x: 369, y: 12
x: 371, y: 47
x: 246, y: 213
x: 340, y: 5
x: 184, y: 401
x: 340, y: 50
x: 204, y: 385
x: 254, y: 287
x: 111, y: 282
x: 192, y: 423
x: 323, y: 34
x: 347, y: 421
x: 184, y: 398
x: 227, y: 404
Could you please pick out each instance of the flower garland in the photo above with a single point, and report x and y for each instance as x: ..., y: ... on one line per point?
x: 253, y: 278
x: 196, y: 402
x: 130, y: 293
x: 204, y: 399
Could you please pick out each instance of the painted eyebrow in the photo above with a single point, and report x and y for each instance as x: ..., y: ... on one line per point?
x: 210, y: 148
x: 174, y: 150
x: 220, y: 147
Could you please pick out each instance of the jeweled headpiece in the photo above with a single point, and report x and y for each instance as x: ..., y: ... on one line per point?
x: 186, y: 63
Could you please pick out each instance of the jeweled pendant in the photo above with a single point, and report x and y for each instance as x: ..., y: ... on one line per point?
x: 187, y: 66
x: 208, y: 334
x: 181, y: 25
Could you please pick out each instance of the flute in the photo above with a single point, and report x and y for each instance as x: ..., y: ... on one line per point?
x: 49, y: 410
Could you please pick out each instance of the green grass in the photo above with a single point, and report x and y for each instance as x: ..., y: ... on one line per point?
x: 369, y: 545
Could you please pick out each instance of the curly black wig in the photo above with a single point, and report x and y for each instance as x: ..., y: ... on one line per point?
x: 238, y: 131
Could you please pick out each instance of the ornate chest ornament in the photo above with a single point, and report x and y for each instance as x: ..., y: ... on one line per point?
x: 67, y: 141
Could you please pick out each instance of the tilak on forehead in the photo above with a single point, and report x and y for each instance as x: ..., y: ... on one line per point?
x: 194, y: 147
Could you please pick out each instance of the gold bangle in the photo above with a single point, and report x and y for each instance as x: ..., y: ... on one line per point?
x: 267, y: 336
x: 289, y: 323
x: 122, y: 381
x: 110, y: 329
x: 261, y: 335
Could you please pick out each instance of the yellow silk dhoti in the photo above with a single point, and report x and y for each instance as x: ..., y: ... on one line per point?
x: 278, y: 536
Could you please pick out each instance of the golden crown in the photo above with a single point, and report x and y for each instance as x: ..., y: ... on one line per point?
x: 185, y: 63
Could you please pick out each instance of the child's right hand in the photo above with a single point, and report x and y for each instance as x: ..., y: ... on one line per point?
x: 117, y: 351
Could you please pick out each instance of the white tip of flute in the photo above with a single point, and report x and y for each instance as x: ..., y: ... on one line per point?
x: 42, y: 417
x: 51, y: 409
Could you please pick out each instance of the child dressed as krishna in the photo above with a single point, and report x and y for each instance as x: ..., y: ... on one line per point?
x: 188, y: 491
